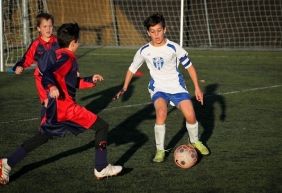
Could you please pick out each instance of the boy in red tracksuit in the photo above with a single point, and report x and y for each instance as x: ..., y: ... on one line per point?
x: 44, y: 42
x: 63, y: 115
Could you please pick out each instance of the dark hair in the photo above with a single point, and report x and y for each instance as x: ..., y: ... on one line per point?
x: 153, y: 20
x: 66, y: 33
x: 42, y: 16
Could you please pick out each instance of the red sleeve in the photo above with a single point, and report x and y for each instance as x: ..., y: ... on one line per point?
x: 29, y: 55
x: 28, y: 58
x: 86, y: 82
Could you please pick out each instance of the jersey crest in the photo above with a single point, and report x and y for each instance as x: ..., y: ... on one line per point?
x: 158, y: 62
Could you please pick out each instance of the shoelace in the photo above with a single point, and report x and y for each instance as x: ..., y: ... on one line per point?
x: 5, y: 171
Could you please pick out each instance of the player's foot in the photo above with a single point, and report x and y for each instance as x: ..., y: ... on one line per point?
x: 201, y: 147
x: 4, y: 171
x: 160, y: 155
x: 108, y: 171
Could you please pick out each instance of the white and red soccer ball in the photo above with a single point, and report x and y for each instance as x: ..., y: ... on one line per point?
x: 185, y: 156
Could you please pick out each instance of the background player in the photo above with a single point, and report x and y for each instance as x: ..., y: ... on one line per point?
x: 63, y: 114
x: 44, y: 42
x: 167, y: 85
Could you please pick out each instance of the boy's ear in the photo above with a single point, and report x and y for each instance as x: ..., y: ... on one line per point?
x: 38, y: 29
x: 72, y: 43
x: 148, y: 33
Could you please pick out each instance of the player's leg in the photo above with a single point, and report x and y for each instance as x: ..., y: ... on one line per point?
x: 159, y: 128
x: 102, y: 168
x: 7, y: 163
x: 81, y: 118
x: 101, y: 134
x: 186, y: 107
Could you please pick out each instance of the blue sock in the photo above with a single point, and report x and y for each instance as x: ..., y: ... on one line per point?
x: 16, y: 156
x: 100, y: 159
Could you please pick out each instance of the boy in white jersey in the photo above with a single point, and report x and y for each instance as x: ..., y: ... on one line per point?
x: 167, y: 85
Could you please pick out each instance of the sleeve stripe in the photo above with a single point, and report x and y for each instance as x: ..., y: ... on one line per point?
x: 185, y: 61
x: 182, y: 59
x: 186, y: 65
x: 143, y: 48
x: 171, y: 46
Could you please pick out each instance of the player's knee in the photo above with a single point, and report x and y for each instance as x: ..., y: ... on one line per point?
x: 101, y: 138
x: 102, y: 145
x: 161, y: 114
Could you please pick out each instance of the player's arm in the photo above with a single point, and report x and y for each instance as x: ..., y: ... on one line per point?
x: 49, y: 83
x: 47, y: 66
x: 135, y: 65
x: 27, y: 60
x: 126, y: 83
x: 182, y: 55
x: 60, y: 67
x: 127, y: 80
x: 194, y: 77
x: 89, y: 82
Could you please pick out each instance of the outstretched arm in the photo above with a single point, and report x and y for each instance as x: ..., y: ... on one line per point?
x: 27, y: 59
x: 89, y: 82
x: 126, y: 83
x: 198, y: 92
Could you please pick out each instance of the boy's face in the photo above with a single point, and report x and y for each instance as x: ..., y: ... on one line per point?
x: 46, y: 28
x: 157, y: 34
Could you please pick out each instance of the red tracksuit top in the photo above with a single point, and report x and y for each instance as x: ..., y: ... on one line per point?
x: 34, y: 52
x: 61, y: 72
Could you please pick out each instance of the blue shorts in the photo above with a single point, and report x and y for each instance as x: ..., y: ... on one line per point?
x: 173, y: 99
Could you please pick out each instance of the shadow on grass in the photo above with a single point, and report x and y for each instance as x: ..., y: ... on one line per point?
x: 205, y: 115
x: 27, y: 168
x: 125, y: 132
x: 102, y: 99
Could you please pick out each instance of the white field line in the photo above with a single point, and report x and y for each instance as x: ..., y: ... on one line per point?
x: 142, y: 104
x: 250, y: 89
x: 130, y: 54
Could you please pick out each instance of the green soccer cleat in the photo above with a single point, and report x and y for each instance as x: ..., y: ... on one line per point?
x: 201, y: 148
x: 159, y: 157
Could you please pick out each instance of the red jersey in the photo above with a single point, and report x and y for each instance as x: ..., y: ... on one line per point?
x: 34, y: 52
x: 62, y: 70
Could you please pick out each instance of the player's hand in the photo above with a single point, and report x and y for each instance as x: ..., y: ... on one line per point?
x: 119, y: 94
x: 45, y: 103
x: 199, y: 96
x: 19, y: 70
x: 97, y: 77
x: 54, y: 92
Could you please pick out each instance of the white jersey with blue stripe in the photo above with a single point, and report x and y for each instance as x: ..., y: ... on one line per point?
x: 163, y: 63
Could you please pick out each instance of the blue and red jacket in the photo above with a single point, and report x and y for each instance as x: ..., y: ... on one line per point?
x: 34, y: 52
x: 62, y: 72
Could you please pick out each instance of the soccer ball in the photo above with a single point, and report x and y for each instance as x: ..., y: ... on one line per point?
x: 185, y: 156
